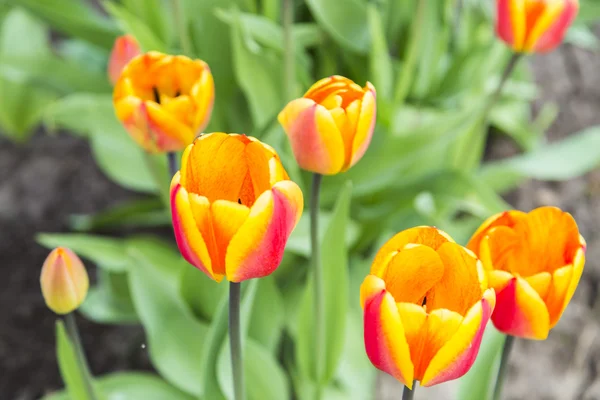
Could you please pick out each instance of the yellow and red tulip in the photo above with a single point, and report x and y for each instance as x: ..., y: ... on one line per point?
x: 534, y: 261
x: 164, y: 101
x: 233, y: 207
x: 330, y: 128
x: 534, y: 25
x: 426, y: 305
x: 64, y: 281
x: 123, y: 51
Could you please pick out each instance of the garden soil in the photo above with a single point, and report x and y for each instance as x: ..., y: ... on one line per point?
x: 45, y: 181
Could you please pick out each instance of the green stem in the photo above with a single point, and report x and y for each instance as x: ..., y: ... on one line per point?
x: 408, y: 394
x: 503, y: 369
x: 172, y: 159
x: 184, y: 38
x: 81, y: 360
x: 319, y: 295
x: 508, y: 70
x: 288, y: 45
x: 235, y: 341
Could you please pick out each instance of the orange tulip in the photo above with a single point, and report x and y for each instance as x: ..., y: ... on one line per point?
x: 64, y: 281
x: 534, y: 262
x: 164, y: 101
x: 233, y: 207
x: 330, y: 128
x: 124, y: 49
x: 534, y: 25
x: 426, y: 305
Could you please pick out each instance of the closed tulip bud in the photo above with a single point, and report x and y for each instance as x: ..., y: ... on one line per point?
x: 426, y: 305
x: 330, y: 128
x: 164, y: 101
x: 233, y: 207
x: 64, y: 281
x: 534, y: 25
x: 123, y: 51
x: 534, y: 262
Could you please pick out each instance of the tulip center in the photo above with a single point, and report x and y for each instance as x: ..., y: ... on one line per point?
x: 228, y: 167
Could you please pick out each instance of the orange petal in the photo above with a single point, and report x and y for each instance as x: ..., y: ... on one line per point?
x: 540, y: 283
x: 458, y: 354
x: 412, y: 272
x: 64, y: 281
x: 520, y: 311
x: 257, y: 247
x: 426, y: 235
x: 385, y: 340
x: 371, y: 286
x: 498, y: 280
x: 506, y: 218
x: 459, y: 288
x: 555, y: 33
x: 557, y: 293
x: 365, y: 125
x: 546, y: 15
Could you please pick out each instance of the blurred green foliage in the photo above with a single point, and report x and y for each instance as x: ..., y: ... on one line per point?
x: 435, y: 66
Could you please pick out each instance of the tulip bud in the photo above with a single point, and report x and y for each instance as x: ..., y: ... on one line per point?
x: 534, y: 25
x: 330, y: 127
x: 64, y: 281
x: 124, y: 49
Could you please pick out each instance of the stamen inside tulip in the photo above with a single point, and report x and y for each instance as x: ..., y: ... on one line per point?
x: 156, y: 94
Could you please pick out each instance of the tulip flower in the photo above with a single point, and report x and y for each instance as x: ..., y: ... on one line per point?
x: 426, y: 305
x: 534, y: 25
x: 64, y: 281
x: 330, y: 128
x: 123, y: 51
x: 534, y: 262
x: 164, y: 101
x: 233, y: 207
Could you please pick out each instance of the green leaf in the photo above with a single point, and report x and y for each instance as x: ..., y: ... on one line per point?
x: 156, y: 15
x: 299, y: 241
x: 73, y: 18
x: 109, y: 302
x: 175, y: 336
x: 148, y: 212
x: 107, y: 253
x: 380, y: 66
x: 268, y: 315
x: 335, y: 280
x: 132, y: 386
x: 66, y: 354
x: 21, y: 103
x: 569, y: 158
x: 345, y: 21
x: 201, y: 293
x: 265, y: 379
x: 479, y: 382
x: 132, y: 24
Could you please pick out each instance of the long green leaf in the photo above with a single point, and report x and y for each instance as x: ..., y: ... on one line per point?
x: 131, y: 23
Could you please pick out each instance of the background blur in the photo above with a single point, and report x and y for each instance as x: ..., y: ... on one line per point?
x: 50, y: 180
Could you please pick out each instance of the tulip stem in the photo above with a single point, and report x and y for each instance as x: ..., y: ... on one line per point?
x: 408, y: 394
x: 73, y: 333
x: 508, y: 70
x: 172, y: 157
x: 235, y: 341
x: 319, y: 295
x: 288, y: 43
x: 502, y: 370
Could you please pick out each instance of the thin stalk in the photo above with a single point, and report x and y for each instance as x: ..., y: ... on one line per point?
x: 408, y: 394
x: 289, y: 75
x: 508, y: 70
x: 319, y: 294
x: 235, y: 341
x: 503, y: 369
x: 81, y: 360
x: 172, y: 158
x: 184, y: 37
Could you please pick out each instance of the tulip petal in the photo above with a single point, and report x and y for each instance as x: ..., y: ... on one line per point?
x: 204, y: 94
x: 316, y: 140
x: 520, y: 311
x: 227, y: 218
x: 503, y: 21
x: 541, y: 21
x: 459, y: 287
x: 554, y: 35
x: 257, y: 248
x: 506, y: 218
x: 498, y: 280
x: 555, y: 302
x: 426, y: 235
x: 412, y: 272
x: 189, y: 239
x: 540, y: 282
x: 518, y: 21
x: 365, y: 125
x: 385, y: 340
x: 457, y: 356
